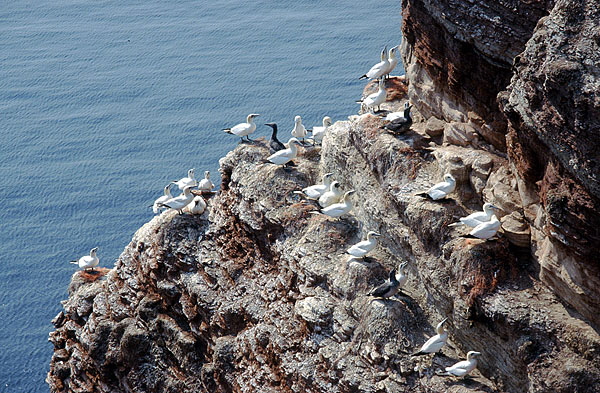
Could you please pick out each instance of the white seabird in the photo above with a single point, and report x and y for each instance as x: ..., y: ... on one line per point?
x: 387, y: 289
x: 379, y: 69
x: 184, y: 182
x: 205, y: 185
x: 299, y: 131
x: 486, y: 230
x: 197, y: 206
x: 392, y: 61
x: 375, y: 99
x: 339, y: 209
x: 315, y: 192
x: 402, y: 275
x: 436, y: 342
x: 180, y: 201
x: 463, y: 368
x: 362, y: 248
x: 284, y: 156
x: 332, y: 195
x: 88, y: 261
x: 244, y: 129
x: 319, y: 132
x: 474, y: 219
x: 442, y: 189
x: 167, y: 195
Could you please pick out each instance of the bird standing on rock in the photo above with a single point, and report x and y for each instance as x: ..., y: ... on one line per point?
x: 332, y: 195
x: 244, y: 129
x: 392, y: 62
x: 319, y: 132
x: 375, y: 99
x: 274, y: 144
x: 379, y: 69
x: 400, y: 124
x: 316, y: 191
x: 299, y: 131
x: 205, y: 184
x: 190, y: 180
x: 167, y: 195
x: 463, y: 368
x: 388, y: 289
x: 88, y: 261
x: 282, y: 157
x: 474, y: 219
x: 436, y: 342
x: 440, y: 190
x: 402, y: 276
x: 486, y: 230
x: 361, y: 249
x: 338, y: 209
x: 197, y: 206
x: 180, y: 201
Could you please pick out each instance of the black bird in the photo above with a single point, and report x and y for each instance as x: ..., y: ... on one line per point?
x: 274, y: 143
x: 388, y: 289
x: 401, y: 124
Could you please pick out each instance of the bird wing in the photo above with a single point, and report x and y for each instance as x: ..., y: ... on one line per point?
x: 485, y: 230
x: 434, y: 344
x: 241, y: 129
x: 378, y: 69
x: 474, y: 219
x: 381, y: 290
x: 436, y: 194
x: 459, y: 369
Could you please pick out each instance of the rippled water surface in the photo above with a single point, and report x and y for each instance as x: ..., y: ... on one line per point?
x: 103, y: 102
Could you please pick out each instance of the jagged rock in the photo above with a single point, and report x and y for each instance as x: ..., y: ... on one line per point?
x: 461, y: 134
x: 434, y: 127
x: 516, y: 229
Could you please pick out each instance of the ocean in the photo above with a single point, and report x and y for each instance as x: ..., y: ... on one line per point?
x: 103, y: 103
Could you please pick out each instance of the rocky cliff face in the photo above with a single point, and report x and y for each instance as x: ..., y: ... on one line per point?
x: 259, y: 295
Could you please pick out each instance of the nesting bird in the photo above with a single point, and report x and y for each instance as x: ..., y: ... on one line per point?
x: 180, y: 201
x: 474, y: 219
x: 387, y: 289
x: 88, y: 261
x: 189, y: 180
x: 339, y: 209
x: 274, y: 144
x: 284, y: 156
x: 379, y: 69
x: 375, y: 99
x: 402, y: 275
x: 463, y: 368
x: 244, y: 129
x: 299, y: 131
x: 319, y: 132
x: 485, y: 230
x: 442, y: 189
x: 436, y: 342
x: 197, y: 206
x: 361, y: 249
x: 399, y: 124
x: 167, y: 195
x: 205, y: 184
x: 332, y: 195
x: 316, y: 191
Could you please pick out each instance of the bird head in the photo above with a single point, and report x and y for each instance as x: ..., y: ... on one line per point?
x: 251, y: 117
x: 449, y: 178
x: 293, y: 141
x: 207, y: 174
x: 191, y: 173
x: 472, y: 354
x: 298, y: 119
x: 327, y: 121
x: 93, y: 251
x: 272, y: 125
x: 373, y: 234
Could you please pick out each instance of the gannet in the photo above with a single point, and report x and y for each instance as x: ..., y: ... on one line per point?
x: 339, y: 209
x: 379, y: 69
x: 315, y: 192
x: 388, y: 289
x: 197, y: 206
x: 274, y: 143
x: 440, y: 190
x: 485, y: 230
x: 361, y: 249
x: 205, y: 184
x: 167, y: 195
x: 331, y: 196
x: 375, y: 99
x: 298, y: 131
x: 88, y: 261
x: 399, y: 124
x: 436, y: 342
x: 243, y: 129
x: 402, y: 275
x: 180, y: 201
x: 392, y: 62
x: 464, y: 367
x: 319, y: 132
x: 284, y: 156
x: 190, y: 180
x: 474, y: 219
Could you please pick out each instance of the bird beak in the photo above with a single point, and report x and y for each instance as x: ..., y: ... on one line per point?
x: 376, y: 234
x: 351, y: 192
x: 445, y: 320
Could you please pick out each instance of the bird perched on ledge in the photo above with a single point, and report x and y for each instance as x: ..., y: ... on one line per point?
x: 319, y: 132
x: 332, y: 195
x: 190, y: 180
x: 180, y: 201
x: 244, y: 129
x: 392, y: 62
x: 379, y: 69
x: 167, y: 195
x: 440, y: 190
x: 486, y: 230
x: 463, y: 368
x: 361, y: 249
x: 88, y: 261
x: 375, y: 99
x: 474, y: 219
x: 274, y: 144
x: 282, y: 157
x: 338, y: 209
x: 299, y: 131
x: 316, y: 191
x: 205, y: 185
x: 436, y: 342
x: 388, y: 289
x: 399, y: 124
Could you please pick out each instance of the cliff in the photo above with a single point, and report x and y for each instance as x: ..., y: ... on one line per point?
x: 259, y: 295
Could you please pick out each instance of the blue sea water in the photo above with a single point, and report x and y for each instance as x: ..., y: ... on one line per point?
x: 103, y: 102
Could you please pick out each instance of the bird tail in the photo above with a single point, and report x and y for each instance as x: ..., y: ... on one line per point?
x: 442, y: 373
x: 74, y: 262
x: 315, y: 212
x: 358, y: 101
x: 456, y: 224
x: 164, y: 205
x: 420, y: 353
x: 227, y: 130
x: 363, y: 77
x: 469, y: 236
x: 423, y: 195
